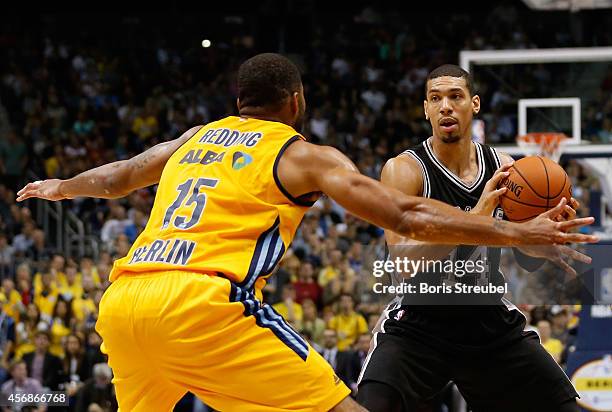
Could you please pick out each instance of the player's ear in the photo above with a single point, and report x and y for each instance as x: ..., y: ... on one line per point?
x: 295, y: 104
x: 425, y: 109
x: 475, y: 104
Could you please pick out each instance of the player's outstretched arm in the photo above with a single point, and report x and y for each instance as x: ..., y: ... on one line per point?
x: 306, y: 168
x: 111, y: 180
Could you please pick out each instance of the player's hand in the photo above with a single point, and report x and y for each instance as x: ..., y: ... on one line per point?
x: 558, y: 255
x: 569, y: 212
x: 545, y: 230
x: 489, y: 199
x: 42, y: 189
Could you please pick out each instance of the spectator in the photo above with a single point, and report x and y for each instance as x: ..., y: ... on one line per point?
x: 97, y: 390
x: 552, y: 345
x: 13, y: 160
x: 24, y: 284
x: 72, y: 287
x: 145, y: 124
x: 7, y: 343
x: 362, y: 348
x: 75, y: 364
x: 319, y: 125
x: 20, y: 383
x: 57, y: 268
x: 10, y: 299
x: 311, y: 322
x: 136, y: 226
x: 24, y: 240
x: 374, y: 98
x: 289, y: 309
x: 348, y: 324
x: 39, y: 250
x: 84, y: 305
x: 42, y: 365
x: 89, y: 270
x: 344, y: 363
x: 83, y: 126
x: 7, y: 253
x: 62, y: 323
x: 46, y: 296
x: 344, y: 283
x: 331, y: 269
x: 25, y: 330
x: 306, y: 286
x: 93, y: 354
x: 559, y: 320
x: 115, y: 225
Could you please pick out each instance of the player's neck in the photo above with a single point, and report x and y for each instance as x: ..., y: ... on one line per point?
x: 456, y: 156
x: 261, y: 113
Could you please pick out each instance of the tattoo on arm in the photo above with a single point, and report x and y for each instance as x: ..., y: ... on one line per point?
x: 141, y: 163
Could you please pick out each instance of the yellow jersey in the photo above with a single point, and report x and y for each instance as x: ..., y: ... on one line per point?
x: 220, y: 207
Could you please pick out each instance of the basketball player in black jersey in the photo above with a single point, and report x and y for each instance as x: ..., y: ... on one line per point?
x: 417, y: 349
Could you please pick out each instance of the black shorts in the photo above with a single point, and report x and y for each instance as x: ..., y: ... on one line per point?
x: 511, y: 374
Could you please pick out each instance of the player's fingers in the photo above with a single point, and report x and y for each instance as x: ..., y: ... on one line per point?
x: 26, y: 195
x: 568, y: 214
x: 555, y: 211
x: 574, y: 254
x: 29, y: 186
x: 574, y: 223
x: 577, y: 238
x: 497, y: 193
x: 565, y: 266
x: 505, y: 167
x: 497, y: 178
x: 574, y: 203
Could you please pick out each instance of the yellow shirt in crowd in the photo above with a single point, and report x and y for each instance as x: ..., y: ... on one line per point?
x: 554, y: 347
x: 348, y: 328
x: 8, y: 304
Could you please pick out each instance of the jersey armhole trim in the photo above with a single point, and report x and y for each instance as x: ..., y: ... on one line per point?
x: 496, y: 156
x: 299, y: 202
x: 426, y: 190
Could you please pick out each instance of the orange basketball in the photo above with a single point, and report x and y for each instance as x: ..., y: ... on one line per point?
x: 535, y: 185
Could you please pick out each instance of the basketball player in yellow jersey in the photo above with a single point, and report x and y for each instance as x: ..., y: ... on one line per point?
x: 183, y: 311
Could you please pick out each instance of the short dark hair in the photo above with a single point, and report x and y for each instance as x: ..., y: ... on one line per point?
x: 14, y: 363
x: 265, y: 80
x: 451, y: 70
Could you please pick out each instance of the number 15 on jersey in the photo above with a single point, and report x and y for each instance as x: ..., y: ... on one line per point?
x: 197, y: 198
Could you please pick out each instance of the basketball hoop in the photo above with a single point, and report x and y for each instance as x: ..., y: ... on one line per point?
x: 543, y: 144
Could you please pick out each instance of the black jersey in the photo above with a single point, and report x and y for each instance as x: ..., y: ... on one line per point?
x: 441, y: 184
x: 494, y: 315
x: 418, y: 348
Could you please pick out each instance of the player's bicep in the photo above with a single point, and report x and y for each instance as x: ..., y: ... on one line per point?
x: 402, y: 173
x: 306, y: 168
x: 303, y: 165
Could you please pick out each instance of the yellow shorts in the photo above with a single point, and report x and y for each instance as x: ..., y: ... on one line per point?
x: 172, y: 332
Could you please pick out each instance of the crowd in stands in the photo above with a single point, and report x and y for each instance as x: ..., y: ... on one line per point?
x: 71, y: 104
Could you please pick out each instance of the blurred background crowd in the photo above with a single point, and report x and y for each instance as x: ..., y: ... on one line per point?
x: 77, y: 93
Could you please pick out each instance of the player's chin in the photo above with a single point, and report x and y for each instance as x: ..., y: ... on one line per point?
x: 450, y: 138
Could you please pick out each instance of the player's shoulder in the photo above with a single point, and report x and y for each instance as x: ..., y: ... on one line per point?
x: 404, y: 173
x: 316, y: 158
x: 403, y: 163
